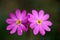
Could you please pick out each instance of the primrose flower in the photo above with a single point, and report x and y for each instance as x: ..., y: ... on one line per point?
x: 39, y: 22
x: 16, y: 23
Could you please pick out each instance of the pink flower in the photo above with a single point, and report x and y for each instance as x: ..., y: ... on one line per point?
x: 16, y: 23
x: 39, y: 22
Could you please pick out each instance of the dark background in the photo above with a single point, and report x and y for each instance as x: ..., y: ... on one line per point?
x: 50, y: 6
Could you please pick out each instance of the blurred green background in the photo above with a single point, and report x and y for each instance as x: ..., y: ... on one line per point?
x: 50, y: 6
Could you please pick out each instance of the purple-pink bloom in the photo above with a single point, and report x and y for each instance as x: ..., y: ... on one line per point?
x: 16, y: 22
x: 39, y: 22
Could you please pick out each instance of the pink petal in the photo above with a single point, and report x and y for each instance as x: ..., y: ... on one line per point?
x: 18, y: 13
x: 24, y: 13
x: 23, y: 27
x: 19, y: 31
x: 9, y: 27
x: 45, y: 17
x: 32, y: 18
x: 35, y: 13
x: 36, y: 30
x: 32, y: 25
x: 25, y: 20
x: 10, y: 21
x: 41, y: 13
x: 13, y: 16
x: 45, y: 27
x: 13, y: 30
x: 49, y: 23
x: 42, y: 32
x: 29, y: 15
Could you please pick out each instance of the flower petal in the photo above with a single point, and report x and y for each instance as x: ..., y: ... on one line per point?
x: 41, y: 13
x: 13, y: 30
x: 32, y: 25
x: 13, y: 16
x: 45, y: 27
x: 36, y: 30
x: 18, y: 13
x: 45, y: 17
x: 29, y: 15
x: 32, y: 20
x: 23, y: 13
x: 9, y: 27
x: 35, y: 13
x: 42, y: 32
x: 19, y: 31
x: 25, y: 20
x: 10, y: 21
x: 49, y: 23
x: 23, y: 27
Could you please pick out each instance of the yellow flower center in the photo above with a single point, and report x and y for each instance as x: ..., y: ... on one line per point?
x: 18, y: 22
x: 39, y: 21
